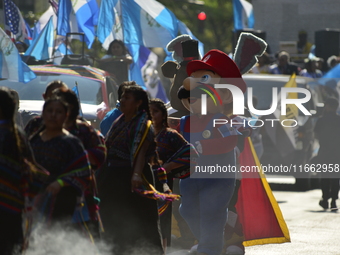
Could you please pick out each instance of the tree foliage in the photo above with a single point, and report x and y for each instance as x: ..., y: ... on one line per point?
x: 218, y: 26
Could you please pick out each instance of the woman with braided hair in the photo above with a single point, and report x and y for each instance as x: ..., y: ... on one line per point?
x: 20, y: 178
x: 131, y: 220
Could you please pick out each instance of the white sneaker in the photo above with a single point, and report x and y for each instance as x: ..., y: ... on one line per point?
x: 193, y: 249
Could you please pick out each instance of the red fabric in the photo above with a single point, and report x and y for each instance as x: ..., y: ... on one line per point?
x: 220, y: 63
x: 254, y: 208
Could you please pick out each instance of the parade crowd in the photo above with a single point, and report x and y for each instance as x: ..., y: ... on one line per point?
x: 61, y: 167
x: 115, y: 184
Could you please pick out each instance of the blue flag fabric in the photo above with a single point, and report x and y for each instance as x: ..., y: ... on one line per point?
x: 42, y: 46
x: 243, y: 15
x: 76, y: 91
x: 78, y: 16
x: 11, y: 65
x: 143, y: 71
x: 333, y: 73
x: 142, y: 22
x: 29, y: 31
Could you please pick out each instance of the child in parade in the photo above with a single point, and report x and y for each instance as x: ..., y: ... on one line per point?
x: 175, y: 155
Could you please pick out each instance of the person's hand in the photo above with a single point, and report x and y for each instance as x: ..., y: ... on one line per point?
x: 53, y: 188
x: 136, y: 181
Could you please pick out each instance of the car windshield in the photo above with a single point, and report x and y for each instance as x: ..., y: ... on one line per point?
x: 89, y: 89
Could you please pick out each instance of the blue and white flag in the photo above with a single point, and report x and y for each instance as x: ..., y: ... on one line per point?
x: 43, y: 20
x: 60, y: 52
x: 142, y: 22
x: 78, y: 16
x: 243, y: 15
x: 148, y: 68
x: 143, y: 70
x: 42, y: 46
x: 76, y: 91
x: 11, y: 65
x: 14, y: 22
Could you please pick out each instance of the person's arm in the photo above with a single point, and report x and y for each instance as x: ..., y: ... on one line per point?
x: 171, y: 165
x: 127, y: 59
x: 137, y: 180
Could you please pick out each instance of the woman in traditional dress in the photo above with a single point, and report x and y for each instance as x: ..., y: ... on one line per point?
x: 64, y: 156
x: 19, y: 179
x: 131, y: 221
x: 174, y: 153
x: 94, y: 144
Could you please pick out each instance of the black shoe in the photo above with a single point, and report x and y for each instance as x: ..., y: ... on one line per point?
x: 323, y: 204
x: 334, y: 208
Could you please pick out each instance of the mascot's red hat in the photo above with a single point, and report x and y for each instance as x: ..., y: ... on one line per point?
x: 220, y: 63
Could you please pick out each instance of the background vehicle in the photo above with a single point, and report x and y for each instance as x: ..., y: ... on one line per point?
x: 306, y: 144
x: 97, y: 90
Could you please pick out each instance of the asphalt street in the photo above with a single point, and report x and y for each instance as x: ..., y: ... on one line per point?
x: 313, y: 231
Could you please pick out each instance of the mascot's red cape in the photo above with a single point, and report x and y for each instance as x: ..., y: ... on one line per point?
x: 257, y: 209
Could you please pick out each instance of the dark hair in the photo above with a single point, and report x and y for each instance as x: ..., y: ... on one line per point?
x: 161, y: 106
x: 121, y: 43
x: 71, y: 99
x: 55, y: 99
x: 8, y: 103
x: 8, y: 107
x: 139, y: 94
x: 122, y: 85
x: 54, y: 85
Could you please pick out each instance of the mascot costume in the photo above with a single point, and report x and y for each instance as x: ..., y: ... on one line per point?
x: 206, y: 196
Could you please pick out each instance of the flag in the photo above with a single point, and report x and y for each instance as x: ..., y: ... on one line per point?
x: 42, y: 46
x: 43, y: 20
x: 76, y: 91
x: 54, y: 5
x: 11, y: 65
x: 29, y: 38
x: 14, y: 22
x: 142, y: 22
x: 148, y: 68
x: 78, y: 16
x: 243, y: 15
x: 60, y: 52
x: 333, y: 73
x: 257, y: 209
x: 285, y: 137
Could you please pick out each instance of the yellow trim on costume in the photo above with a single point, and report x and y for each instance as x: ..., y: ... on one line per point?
x: 148, y: 125
x: 276, y: 208
x: 211, y: 95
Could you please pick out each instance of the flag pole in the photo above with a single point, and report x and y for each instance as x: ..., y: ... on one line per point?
x: 78, y: 95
